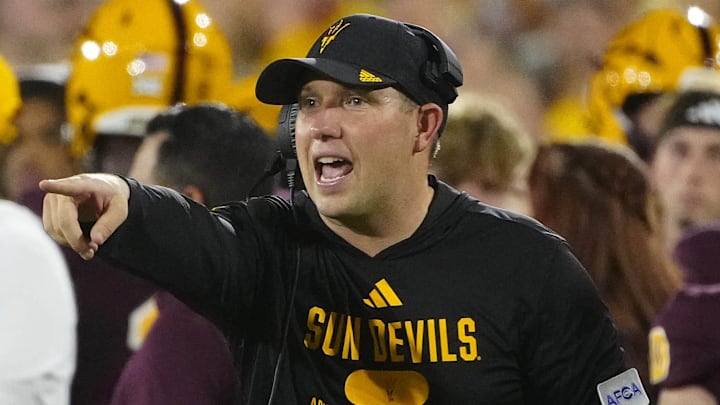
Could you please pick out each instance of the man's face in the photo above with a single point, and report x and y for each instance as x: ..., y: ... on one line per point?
x: 354, y: 147
x: 41, y: 120
x: 686, y: 170
x: 514, y: 196
x: 145, y: 159
x: 114, y: 153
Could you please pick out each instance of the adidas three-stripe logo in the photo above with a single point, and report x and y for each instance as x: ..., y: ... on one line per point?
x: 382, y: 296
x: 367, y: 77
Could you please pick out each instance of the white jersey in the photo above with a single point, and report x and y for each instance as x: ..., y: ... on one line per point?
x: 37, y: 313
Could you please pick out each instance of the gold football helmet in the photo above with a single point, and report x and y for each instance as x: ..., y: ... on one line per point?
x: 9, y: 102
x: 648, y: 56
x: 137, y: 57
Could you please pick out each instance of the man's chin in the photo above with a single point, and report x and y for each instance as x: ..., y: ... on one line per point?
x: 689, y: 222
x: 685, y: 223
x: 329, y: 207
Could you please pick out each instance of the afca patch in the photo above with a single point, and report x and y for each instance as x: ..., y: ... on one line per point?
x: 623, y: 389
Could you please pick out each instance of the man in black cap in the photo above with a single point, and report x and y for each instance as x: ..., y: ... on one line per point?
x: 378, y: 283
x: 686, y: 162
x: 685, y: 342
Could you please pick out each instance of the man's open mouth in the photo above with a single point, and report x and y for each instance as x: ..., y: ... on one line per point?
x: 331, y: 169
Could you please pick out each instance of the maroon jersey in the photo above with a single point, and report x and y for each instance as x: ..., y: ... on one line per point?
x: 184, y: 360
x: 685, y: 341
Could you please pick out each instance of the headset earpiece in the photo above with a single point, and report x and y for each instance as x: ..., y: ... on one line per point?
x: 285, y: 140
x: 285, y: 134
x: 442, y: 72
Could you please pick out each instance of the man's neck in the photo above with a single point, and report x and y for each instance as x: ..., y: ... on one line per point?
x: 399, y: 222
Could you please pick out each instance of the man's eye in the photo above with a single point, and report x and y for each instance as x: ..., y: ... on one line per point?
x: 355, y: 100
x: 679, y: 150
x: 308, y: 102
x: 714, y: 154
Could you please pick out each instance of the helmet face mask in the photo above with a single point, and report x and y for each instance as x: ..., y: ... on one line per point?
x: 9, y: 102
x: 647, y: 57
x: 138, y: 57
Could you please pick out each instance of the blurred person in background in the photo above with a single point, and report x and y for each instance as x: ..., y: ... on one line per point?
x: 685, y: 339
x: 273, y: 30
x: 600, y: 198
x: 686, y: 158
x: 685, y: 344
x: 555, y: 44
x: 213, y: 155
x: 38, y: 313
x: 41, y: 148
x: 10, y: 102
x: 493, y: 69
x: 40, y: 32
x: 487, y: 154
x: 132, y: 60
x: 644, y: 60
x: 37, y: 308
x: 562, y: 53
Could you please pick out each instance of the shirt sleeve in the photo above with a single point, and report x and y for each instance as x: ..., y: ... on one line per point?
x: 576, y: 343
x: 179, y: 244
x: 217, y: 261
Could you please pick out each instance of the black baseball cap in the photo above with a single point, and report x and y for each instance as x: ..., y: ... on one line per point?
x: 692, y: 108
x: 362, y: 50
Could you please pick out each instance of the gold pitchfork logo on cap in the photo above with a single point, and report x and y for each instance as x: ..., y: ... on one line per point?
x: 332, y: 33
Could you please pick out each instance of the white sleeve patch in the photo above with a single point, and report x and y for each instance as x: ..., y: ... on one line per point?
x: 625, y: 388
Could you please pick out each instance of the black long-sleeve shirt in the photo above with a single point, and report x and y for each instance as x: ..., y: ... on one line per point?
x: 478, y: 306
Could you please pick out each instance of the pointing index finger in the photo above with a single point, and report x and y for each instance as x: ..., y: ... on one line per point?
x: 66, y: 186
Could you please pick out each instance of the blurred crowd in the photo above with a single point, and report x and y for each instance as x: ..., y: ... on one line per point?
x: 537, y: 56
x: 536, y: 130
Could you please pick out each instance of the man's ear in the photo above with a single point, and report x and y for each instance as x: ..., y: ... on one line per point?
x: 194, y: 192
x: 430, y: 118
